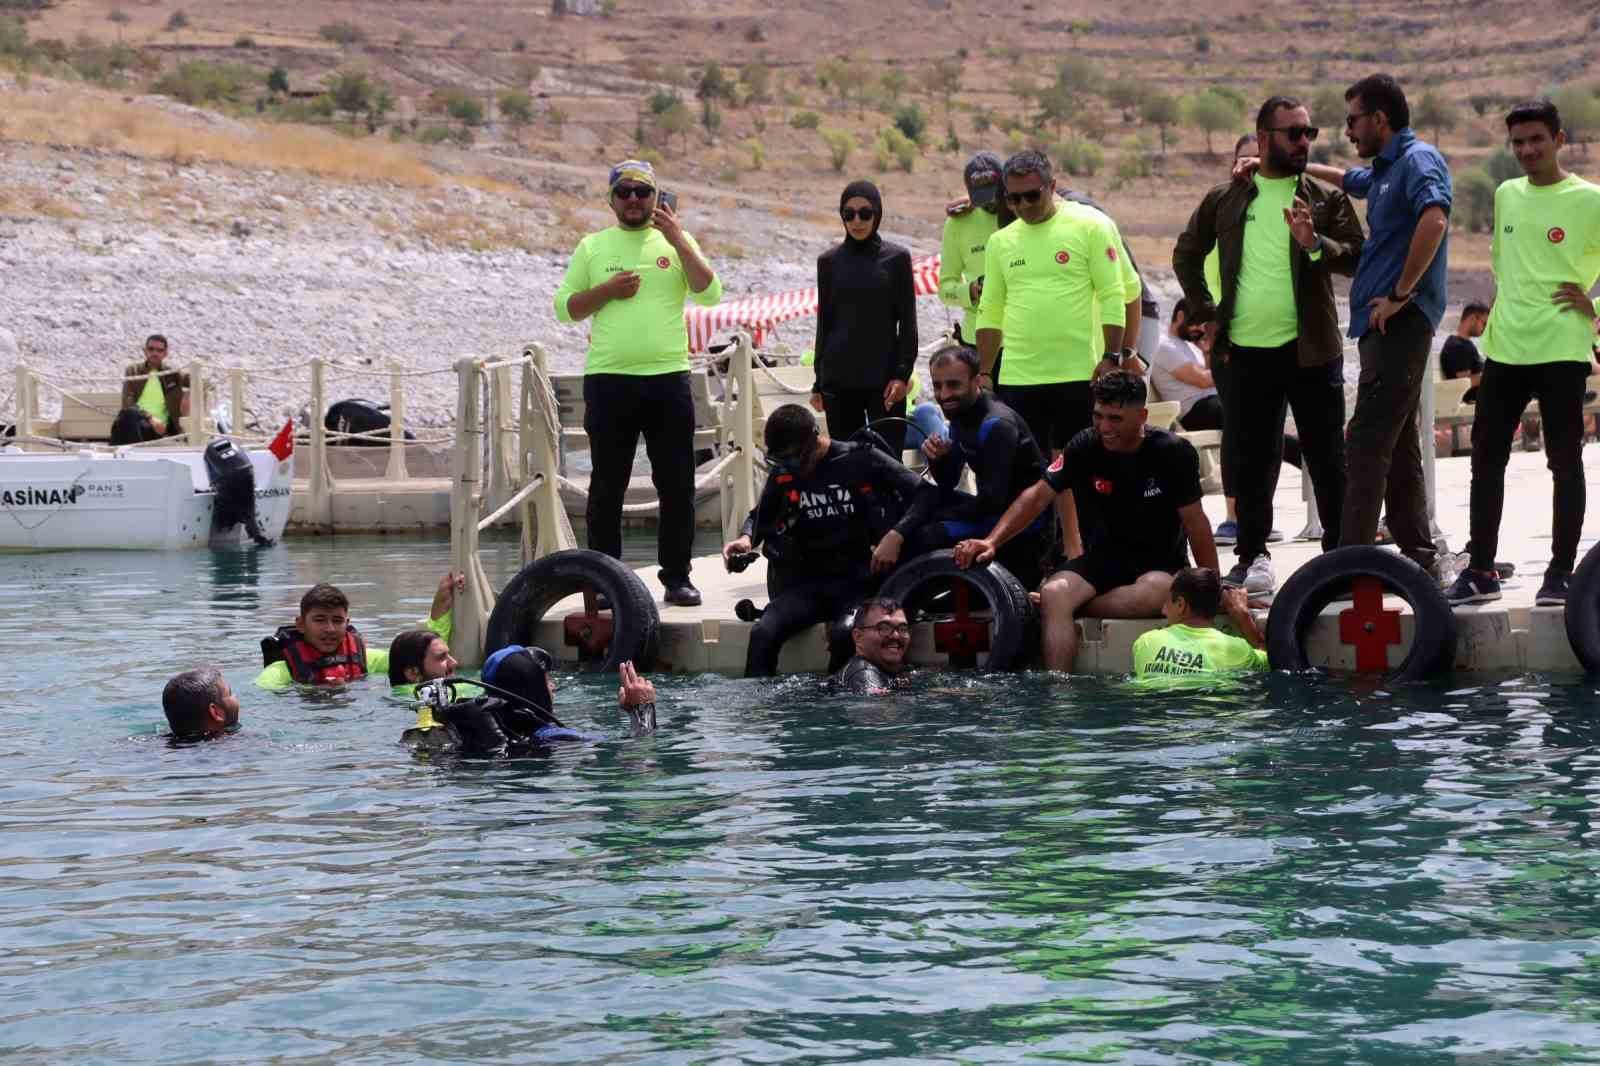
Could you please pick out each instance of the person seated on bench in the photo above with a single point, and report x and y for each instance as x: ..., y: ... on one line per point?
x: 323, y: 648
x: 1190, y: 643
x: 1460, y: 358
x: 1137, y: 491
x: 153, y: 399
x: 1006, y: 461
x: 832, y: 519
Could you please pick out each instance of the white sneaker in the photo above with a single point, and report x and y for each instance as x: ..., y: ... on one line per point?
x: 1258, y: 579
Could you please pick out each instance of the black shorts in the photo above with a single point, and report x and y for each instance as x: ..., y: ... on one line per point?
x: 1055, y: 413
x: 1105, y: 569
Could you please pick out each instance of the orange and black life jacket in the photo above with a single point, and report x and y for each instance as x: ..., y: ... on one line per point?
x: 307, y: 665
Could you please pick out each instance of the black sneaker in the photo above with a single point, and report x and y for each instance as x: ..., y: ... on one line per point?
x: 682, y: 594
x: 1473, y: 587
x: 1553, y: 593
x: 1236, y: 577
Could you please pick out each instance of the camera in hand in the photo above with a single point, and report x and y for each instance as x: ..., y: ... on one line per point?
x: 738, y: 564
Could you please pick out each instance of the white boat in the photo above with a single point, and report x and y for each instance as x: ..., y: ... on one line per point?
x: 141, y: 498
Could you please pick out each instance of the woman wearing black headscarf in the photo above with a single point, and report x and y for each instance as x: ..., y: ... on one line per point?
x: 866, y: 348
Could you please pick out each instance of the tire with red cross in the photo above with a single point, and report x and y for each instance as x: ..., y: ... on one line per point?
x: 997, y: 622
x: 1363, y: 575
x: 632, y: 615
x: 1583, y: 611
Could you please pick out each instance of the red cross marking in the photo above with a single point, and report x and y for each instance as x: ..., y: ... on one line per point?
x: 1368, y: 627
x: 962, y: 637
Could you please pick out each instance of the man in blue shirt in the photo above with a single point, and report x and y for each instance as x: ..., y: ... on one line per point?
x: 1396, y: 301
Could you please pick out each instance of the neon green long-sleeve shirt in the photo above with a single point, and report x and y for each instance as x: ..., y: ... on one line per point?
x: 277, y: 675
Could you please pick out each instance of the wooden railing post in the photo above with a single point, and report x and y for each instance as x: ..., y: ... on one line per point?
x: 543, y: 446
x: 236, y: 399
x: 739, y: 482
x: 476, y: 598
x: 26, y: 408
x: 321, y: 482
x: 397, y: 423
x: 197, y: 434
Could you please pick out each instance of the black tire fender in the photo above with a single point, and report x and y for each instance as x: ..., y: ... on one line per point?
x: 542, y: 583
x: 1583, y: 611
x: 1011, y: 612
x: 1316, y: 584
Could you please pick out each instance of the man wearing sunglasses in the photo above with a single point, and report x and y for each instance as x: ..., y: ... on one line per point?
x: 1396, y: 301
x: 1281, y: 235
x: 631, y: 279
x: 882, y: 635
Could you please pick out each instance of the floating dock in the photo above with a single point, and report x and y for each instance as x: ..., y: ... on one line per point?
x: 1508, y: 635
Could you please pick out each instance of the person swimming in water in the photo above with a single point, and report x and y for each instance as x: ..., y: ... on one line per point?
x: 323, y: 648
x: 516, y: 714
x: 1190, y: 643
x: 199, y: 705
x: 419, y: 655
x: 882, y: 636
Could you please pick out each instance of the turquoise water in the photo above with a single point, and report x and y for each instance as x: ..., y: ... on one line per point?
x: 983, y: 870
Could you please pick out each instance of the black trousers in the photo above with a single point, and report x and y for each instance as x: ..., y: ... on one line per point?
x: 1207, y: 414
x: 1384, y: 452
x: 798, y: 598
x: 1503, y: 394
x: 1055, y: 413
x: 131, y: 426
x: 617, y: 409
x: 850, y: 409
x: 1264, y: 384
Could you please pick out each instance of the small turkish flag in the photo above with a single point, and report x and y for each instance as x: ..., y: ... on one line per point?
x: 282, y: 445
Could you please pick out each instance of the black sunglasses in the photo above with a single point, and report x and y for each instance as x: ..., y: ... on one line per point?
x: 1350, y: 120
x: 1295, y: 133
x: 636, y: 192
x: 850, y: 214
x: 1031, y: 196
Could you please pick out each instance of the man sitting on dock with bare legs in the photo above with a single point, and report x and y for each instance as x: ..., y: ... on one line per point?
x: 832, y: 519
x: 632, y: 279
x: 1138, y: 496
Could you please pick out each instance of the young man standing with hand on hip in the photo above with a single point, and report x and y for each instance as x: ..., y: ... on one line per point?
x: 1396, y: 302
x: 1546, y: 258
x: 632, y: 279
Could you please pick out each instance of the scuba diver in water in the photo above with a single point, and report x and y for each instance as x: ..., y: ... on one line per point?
x: 515, y: 716
x: 882, y: 636
x: 323, y: 648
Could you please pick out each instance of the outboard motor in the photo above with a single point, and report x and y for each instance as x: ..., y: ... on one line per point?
x: 233, y: 485
x: 360, y: 416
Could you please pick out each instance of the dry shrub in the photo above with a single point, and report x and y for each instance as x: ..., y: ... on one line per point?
x: 104, y: 121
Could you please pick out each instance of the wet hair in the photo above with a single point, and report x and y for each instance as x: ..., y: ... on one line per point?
x: 409, y: 649
x: 1476, y: 307
x: 1200, y: 588
x: 955, y: 353
x: 1180, y: 308
x: 1380, y: 92
x: 874, y: 603
x: 187, y: 699
x: 156, y: 337
x: 789, y: 427
x: 1029, y: 161
x: 325, y: 596
x: 1535, y: 111
x: 1269, y: 109
x: 1121, y: 388
x: 1242, y: 141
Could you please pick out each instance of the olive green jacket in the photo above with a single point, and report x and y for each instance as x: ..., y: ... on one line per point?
x: 1219, y: 222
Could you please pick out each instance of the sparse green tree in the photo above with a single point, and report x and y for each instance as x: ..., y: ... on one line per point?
x: 805, y: 120
x: 177, y: 21
x: 1126, y: 93
x: 677, y: 121
x: 894, y: 84
x: 1057, y: 104
x: 1502, y: 166
x: 1434, y: 113
x: 853, y: 76
x: 757, y: 81
x: 516, y: 107
x: 1474, y: 200
x: 714, y: 84
x: 342, y: 33
x: 896, y: 145
x: 1161, y: 111
x: 1212, y: 112
x: 758, y: 153
x: 278, y: 81
x: 351, y: 91
x: 910, y: 121
x: 1580, y: 113
x: 663, y: 100
x: 1327, y: 107
x: 840, y: 145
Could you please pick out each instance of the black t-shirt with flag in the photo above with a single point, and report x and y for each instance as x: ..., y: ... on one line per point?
x: 1129, y: 504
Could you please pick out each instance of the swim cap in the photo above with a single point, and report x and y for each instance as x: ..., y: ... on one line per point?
x: 521, y: 671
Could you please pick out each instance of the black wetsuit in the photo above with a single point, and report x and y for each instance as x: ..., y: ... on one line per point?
x: 859, y: 675
x: 1006, y: 461
x: 818, y: 530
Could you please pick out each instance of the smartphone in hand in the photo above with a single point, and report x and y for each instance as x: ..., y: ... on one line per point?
x: 668, y: 199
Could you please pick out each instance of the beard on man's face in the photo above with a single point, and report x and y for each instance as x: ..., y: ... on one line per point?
x: 1285, y: 160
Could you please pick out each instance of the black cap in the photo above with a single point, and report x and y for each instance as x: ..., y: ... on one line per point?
x: 982, y: 178
x: 521, y: 670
